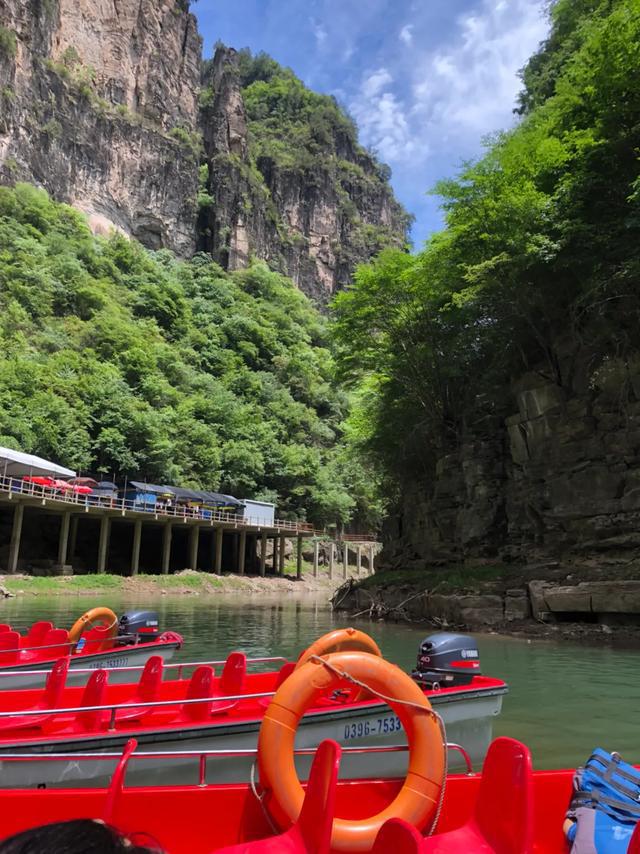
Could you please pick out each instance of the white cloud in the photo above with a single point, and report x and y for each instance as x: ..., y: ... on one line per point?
x: 470, y: 85
x: 373, y: 83
x: 319, y: 32
x: 406, y: 34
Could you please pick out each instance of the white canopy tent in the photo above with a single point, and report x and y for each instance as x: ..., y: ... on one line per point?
x: 17, y: 464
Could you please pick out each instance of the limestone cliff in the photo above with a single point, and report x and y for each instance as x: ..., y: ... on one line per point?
x: 98, y: 105
x: 558, y: 480
x: 101, y: 104
x: 302, y: 195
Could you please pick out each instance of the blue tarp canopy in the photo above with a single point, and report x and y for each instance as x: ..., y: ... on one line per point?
x: 179, y: 493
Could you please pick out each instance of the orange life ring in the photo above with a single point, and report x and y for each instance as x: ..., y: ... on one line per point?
x: 102, y: 615
x: 418, y: 798
x: 340, y: 640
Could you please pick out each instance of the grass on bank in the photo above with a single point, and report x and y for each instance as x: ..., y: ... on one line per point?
x: 441, y: 579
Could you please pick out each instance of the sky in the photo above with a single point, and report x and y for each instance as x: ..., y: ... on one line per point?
x: 425, y: 80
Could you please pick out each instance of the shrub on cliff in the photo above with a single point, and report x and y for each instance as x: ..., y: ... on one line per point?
x: 118, y: 360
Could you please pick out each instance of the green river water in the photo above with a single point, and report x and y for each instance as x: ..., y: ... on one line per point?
x: 565, y: 699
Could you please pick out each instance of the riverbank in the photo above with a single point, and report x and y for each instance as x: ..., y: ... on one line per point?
x: 185, y: 583
x: 534, y: 601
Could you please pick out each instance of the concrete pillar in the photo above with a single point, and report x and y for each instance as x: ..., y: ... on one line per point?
x: 73, y: 539
x: 166, y: 547
x: 135, y: 551
x: 299, y: 559
x: 359, y: 558
x: 371, y: 556
x: 316, y: 555
x: 275, y: 557
x: 263, y: 554
x: 242, y: 551
x: 194, y: 539
x: 332, y: 557
x: 103, y: 543
x: 345, y: 559
x: 218, y: 563
x: 16, y: 534
x: 63, y: 542
x: 282, y: 555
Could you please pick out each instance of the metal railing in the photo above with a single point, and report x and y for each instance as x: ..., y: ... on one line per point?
x: 179, y: 512
x: 203, y: 755
x: 179, y: 665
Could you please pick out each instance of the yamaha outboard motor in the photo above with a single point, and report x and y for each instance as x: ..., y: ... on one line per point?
x: 446, y: 660
x: 144, y: 624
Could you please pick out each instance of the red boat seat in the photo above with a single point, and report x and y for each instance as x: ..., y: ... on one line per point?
x: 398, y: 836
x: 93, y: 695
x: 634, y: 842
x: 54, y: 687
x: 9, y: 641
x: 200, y: 685
x: 5, y: 627
x: 148, y: 691
x: 36, y: 634
x: 285, y: 671
x: 232, y: 681
x: 311, y: 834
x: 503, y: 818
x: 50, y: 641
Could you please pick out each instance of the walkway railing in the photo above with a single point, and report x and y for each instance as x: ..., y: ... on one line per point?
x: 179, y: 512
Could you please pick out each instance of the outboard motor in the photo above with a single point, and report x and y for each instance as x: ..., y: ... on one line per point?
x: 141, y: 623
x: 446, y: 660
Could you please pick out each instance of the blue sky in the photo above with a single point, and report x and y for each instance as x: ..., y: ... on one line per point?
x: 425, y: 80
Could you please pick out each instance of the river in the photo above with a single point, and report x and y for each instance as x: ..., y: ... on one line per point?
x: 565, y: 699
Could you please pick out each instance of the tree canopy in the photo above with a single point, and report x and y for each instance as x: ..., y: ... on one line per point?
x: 118, y: 360
x: 538, y: 265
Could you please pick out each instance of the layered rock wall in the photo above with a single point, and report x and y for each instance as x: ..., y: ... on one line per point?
x: 98, y: 106
x: 558, y: 480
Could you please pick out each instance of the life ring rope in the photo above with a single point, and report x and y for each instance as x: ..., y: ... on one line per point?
x: 419, y: 800
x: 431, y: 711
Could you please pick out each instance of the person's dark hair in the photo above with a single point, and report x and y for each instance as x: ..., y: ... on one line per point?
x: 80, y: 836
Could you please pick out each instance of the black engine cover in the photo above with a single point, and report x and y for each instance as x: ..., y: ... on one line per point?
x: 142, y: 623
x: 446, y: 660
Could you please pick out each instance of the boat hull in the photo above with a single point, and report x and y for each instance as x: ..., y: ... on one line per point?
x: 468, y: 720
x: 32, y: 675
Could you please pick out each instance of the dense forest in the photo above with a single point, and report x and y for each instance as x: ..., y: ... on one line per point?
x: 126, y: 362
x: 537, y: 268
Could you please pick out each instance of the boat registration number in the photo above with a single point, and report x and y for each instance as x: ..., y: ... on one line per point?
x: 374, y: 726
x: 120, y: 661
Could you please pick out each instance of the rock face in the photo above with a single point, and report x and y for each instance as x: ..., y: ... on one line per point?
x: 99, y: 104
x: 313, y: 224
x: 99, y: 107
x: 559, y: 480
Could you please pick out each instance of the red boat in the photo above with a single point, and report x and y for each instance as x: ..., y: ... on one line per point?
x: 97, y: 639
x: 225, y: 712
x: 508, y: 809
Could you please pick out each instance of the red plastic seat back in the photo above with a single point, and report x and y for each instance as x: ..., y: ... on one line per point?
x: 9, y: 648
x: 37, y: 633
x: 93, y: 695
x: 4, y: 627
x: 50, y: 641
x: 316, y: 816
x: 55, y: 683
x: 233, y: 674
x: 285, y: 671
x: 151, y: 679
x: 201, y: 685
x: 634, y: 842
x: 504, y: 809
x: 397, y: 836
x: 97, y: 639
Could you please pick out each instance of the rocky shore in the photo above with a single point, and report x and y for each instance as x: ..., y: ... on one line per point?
x: 503, y: 601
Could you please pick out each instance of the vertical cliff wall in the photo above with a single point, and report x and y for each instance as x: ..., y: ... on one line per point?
x: 98, y: 105
x: 101, y: 103
x: 558, y: 480
x: 302, y: 195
